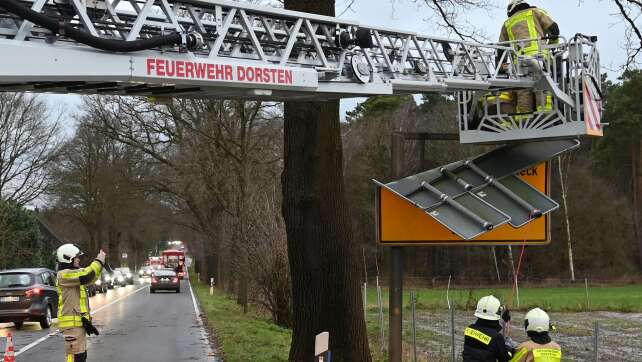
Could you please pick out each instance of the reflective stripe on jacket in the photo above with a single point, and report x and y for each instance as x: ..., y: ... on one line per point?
x: 72, y: 294
x: 532, y: 23
x: 483, y: 342
x: 504, y: 97
x: 532, y: 352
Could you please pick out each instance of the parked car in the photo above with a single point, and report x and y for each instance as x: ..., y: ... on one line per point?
x: 165, y: 279
x: 127, y: 274
x: 28, y: 295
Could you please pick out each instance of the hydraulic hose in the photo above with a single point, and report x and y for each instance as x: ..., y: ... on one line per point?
x: 110, y: 45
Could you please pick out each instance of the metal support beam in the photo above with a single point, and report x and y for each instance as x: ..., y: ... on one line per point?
x: 396, y: 304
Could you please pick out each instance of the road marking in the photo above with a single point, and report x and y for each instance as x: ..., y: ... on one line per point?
x: 36, y: 342
x: 210, y: 352
x: 42, y: 339
x: 117, y: 300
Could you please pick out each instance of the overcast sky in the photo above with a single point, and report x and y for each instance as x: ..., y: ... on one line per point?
x: 593, y: 17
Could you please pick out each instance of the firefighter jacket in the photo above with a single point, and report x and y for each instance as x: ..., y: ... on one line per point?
x: 483, y: 342
x: 531, y: 23
x: 533, y: 352
x: 73, y: 303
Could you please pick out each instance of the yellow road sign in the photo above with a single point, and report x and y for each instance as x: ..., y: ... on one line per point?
x: 399, y: 223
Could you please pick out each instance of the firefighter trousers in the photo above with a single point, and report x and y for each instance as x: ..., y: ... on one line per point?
x: 75, y: 344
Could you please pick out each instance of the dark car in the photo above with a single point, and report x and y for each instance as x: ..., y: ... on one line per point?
x: 118, y: 279
x: 101, y: 285
x: 127, y: 275
x: 165, y: 279
x: 28, y: 295
x: 107, y: 279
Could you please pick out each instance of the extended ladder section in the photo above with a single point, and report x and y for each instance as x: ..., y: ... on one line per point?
x: 224, y: 49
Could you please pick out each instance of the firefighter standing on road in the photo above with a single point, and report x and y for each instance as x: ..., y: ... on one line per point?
x: 483, y: 341
x: 74, y: 319
x: 540, y: 348
x: 529, y: 22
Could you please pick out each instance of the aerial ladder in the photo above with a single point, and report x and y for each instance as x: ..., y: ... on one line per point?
x: 225, y: 49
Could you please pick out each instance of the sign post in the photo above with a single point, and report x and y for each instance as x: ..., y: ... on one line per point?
x: 211, y: 286
x: 322, y: 347
x: 395, y: 298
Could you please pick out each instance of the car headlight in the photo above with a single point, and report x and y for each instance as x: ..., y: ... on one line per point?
x: 129, y: 276
x: 98, y: 282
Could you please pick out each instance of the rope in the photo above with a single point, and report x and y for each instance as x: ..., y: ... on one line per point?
x: 519, y: 267
x: 507, y: 329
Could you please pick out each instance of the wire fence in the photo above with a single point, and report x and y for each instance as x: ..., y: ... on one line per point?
x: 435, y: 329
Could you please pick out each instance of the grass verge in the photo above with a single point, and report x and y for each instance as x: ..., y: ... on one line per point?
x: 242, y: 337
x: 560, y: 299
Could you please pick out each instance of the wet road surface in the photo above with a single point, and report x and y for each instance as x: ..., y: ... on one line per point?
x: 134, y: 325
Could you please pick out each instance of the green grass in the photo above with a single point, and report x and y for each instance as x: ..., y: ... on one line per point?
x: 554, y: 299
x: 253, y: 337
x: 242, y: 337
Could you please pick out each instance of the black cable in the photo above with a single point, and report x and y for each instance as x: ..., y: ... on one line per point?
x: 111, y: 45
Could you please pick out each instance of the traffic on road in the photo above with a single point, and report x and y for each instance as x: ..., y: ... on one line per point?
x: 133, y: 322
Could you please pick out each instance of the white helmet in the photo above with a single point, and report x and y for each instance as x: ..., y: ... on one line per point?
x: 537, y: 320
x: 512, y: 4
x: 67, y: 252
x: 489, y: 308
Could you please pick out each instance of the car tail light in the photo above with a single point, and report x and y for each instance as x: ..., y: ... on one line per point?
x: 33, y: 292
x: 174, y: 280
x: 154, y: 280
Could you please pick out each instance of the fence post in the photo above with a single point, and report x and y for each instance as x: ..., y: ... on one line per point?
x: 588, y: 303
x: 382, y: 338
x: 596, y: 344
x: 413, y: 301
x: 452, y: 331
x: 451, y: 310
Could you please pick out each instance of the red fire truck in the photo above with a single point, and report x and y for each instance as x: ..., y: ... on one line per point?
x: 174, y: 259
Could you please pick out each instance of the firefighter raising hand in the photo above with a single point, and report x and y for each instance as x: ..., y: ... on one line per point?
x: 74, y: 317
x: 101, y: 256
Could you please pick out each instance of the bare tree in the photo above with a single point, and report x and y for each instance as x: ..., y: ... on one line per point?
x: 96, y: 185
x: 449, y: 15
x: 631, y: 11
x: 28, y: 144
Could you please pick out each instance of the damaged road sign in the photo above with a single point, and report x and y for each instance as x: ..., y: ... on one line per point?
x: 497, y: 198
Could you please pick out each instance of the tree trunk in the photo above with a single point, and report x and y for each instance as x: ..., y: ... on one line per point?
x: 636, y: 160
x: 324, y: 264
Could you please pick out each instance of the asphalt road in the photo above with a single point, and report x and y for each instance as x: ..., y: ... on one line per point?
x: 134, y: 325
